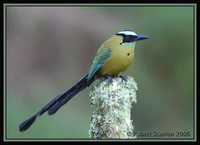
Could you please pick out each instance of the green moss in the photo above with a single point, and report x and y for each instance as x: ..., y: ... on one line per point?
x: 111, y: 108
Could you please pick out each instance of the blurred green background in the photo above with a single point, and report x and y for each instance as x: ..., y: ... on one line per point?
x: 49, y: 48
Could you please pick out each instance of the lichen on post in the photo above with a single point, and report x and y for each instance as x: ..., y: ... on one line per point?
x: 111, y: 103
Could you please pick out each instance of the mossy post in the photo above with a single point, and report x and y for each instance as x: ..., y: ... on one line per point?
x: 111, y: 103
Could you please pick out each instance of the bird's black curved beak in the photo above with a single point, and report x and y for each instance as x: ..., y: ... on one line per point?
x: 141, y: 37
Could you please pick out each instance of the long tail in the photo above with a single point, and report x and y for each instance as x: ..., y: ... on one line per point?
x: 57, y: 102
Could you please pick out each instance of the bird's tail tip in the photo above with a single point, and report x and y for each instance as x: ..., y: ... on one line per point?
x: 27, y: 123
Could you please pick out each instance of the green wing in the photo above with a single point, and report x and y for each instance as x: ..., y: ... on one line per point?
x: 98, y: 61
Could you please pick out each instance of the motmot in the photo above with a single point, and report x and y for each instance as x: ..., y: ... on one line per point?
x: 113, y: 57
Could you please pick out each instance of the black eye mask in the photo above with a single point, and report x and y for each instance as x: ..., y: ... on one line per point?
x: 127, y: 38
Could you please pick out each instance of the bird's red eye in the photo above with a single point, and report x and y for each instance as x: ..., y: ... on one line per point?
x: 127, y: 37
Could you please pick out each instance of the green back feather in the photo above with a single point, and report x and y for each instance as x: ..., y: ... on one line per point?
x: 98, y: 61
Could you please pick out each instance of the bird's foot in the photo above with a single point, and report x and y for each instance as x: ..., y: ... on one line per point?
x: 110, y: 79
x: 123, y: 78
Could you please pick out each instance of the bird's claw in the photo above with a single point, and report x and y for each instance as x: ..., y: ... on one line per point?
x: 123, y: 78
x: 110, y: 79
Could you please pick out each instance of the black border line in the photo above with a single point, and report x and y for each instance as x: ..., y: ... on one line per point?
x: 101, y: 5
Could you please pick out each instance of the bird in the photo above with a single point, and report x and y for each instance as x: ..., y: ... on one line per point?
x: 113, y: 57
